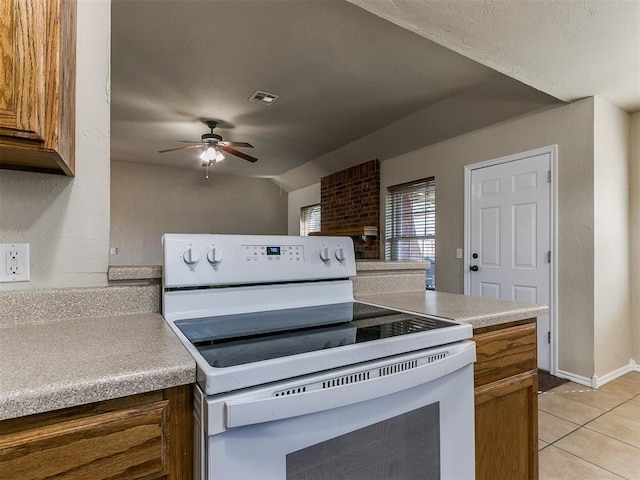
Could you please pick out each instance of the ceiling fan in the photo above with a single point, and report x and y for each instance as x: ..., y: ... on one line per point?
x: 213, y: 146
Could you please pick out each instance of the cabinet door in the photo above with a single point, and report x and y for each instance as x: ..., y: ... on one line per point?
x: 507, y: 428
x: 37, y: 99
x: 22, y: 67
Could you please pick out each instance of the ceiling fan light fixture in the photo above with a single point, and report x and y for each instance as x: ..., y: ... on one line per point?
x: 210, y: 145
x: 208, y: 154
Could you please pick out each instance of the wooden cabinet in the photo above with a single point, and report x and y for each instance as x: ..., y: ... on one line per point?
x: 143, y: 436
x: 37, y: 99
x: 506, y: 402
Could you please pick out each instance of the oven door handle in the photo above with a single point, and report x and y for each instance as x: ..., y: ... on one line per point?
x: 246, y: 410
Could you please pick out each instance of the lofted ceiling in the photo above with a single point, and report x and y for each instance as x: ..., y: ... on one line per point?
x: 570, y: 49
x: 341, y: 72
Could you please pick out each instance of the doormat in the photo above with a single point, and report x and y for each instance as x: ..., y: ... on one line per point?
x: 546, y: 381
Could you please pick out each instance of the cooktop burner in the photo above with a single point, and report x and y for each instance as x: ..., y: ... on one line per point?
x: 230, y: 340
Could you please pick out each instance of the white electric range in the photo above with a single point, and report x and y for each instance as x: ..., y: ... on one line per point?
x: 289, y: 365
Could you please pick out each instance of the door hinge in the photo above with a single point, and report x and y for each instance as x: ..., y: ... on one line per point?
x: 549, y: 176
x: 549, y: 338
x: 549, y: 256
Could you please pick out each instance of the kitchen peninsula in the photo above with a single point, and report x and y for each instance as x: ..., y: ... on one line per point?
x: 505, y: 374
x: 118, y: 378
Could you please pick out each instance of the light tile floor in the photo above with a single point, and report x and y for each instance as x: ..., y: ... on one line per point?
x: 588, y: 434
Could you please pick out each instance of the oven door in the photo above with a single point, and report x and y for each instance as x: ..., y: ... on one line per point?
x: 404, y: 417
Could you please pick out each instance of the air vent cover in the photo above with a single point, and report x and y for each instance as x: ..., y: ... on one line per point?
x: 363, y: 376
x: 263, y: 98
x: 291, y: 391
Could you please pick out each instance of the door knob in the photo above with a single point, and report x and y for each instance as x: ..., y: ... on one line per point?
x: 473, y: 268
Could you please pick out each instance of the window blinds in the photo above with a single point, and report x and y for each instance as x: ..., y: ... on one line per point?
x: 309, y: 219
x: 410, y: 216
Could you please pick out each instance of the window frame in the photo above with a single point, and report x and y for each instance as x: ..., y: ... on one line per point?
x: 399, y: 210
x: 307, y: 226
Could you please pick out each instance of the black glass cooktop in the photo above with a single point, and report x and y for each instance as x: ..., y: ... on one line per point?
x: 230, y: 340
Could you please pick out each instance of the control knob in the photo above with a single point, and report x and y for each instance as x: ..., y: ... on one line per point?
x: 324, y: 254
x: 339, y: 254
x: 214, y: 255
x: 190, y: 256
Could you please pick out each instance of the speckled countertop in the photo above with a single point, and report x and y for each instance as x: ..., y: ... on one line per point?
x: 65, y: 347
x: 479, y: 312
x: 49, y: 361
x: 366, y: 266
x: 135, y: 272
x: 47, y: 366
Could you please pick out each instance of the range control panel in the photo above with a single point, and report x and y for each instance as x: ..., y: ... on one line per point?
x: 215, y: 260
x: 273, y: 253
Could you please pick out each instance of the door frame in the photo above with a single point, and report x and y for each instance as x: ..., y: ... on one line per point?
x: 552, y: 150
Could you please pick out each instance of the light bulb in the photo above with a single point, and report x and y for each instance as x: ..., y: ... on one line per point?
x: 209, y: 154
x: 219, y: 156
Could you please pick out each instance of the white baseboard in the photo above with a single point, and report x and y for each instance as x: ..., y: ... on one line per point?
x: 586, y: 381
x: 604, y: 379
x: 595, y: 381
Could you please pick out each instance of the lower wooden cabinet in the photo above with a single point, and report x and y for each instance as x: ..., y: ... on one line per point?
x: 143, y: 436
x: 506, y: 402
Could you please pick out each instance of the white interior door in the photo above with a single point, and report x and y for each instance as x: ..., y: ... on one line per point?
x: 510, y: 236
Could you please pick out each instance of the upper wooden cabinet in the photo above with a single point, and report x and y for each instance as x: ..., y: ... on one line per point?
x: 37, y: 99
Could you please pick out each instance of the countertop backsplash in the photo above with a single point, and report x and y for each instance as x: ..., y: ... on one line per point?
x: 40, y: 306
x: 373, y: 276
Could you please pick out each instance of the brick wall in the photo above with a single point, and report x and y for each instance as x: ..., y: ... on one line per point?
x: 350, y: 199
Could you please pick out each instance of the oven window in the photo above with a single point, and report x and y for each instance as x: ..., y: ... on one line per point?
x: 403, y: 447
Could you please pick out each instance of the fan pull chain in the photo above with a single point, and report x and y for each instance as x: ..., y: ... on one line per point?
x: 206, y: 176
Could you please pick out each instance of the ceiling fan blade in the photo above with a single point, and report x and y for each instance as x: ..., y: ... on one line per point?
x: 236, y: 144
x: 235, y: 152
x: 186, y: 147
x: 189, y: 141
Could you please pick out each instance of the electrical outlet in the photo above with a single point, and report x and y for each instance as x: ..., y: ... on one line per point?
x: 14, y: 262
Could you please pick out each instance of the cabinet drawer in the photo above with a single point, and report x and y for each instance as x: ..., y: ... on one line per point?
x: 127, y: 443
x: 506, y: 352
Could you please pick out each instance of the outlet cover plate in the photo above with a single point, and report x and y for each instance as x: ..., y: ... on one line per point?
x: 14, y: 262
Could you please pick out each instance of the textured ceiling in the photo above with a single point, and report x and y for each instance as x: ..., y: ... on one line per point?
x: 424, y: 69
x: 341, y: 73
x: 569, y: 49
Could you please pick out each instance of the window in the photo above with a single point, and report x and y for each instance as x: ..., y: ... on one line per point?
x: 411, y: 224
x: 310, y: 219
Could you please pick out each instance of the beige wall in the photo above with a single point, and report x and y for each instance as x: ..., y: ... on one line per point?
x: 612, y: 301
x: 635, y: 234
x: 496, y: 100
x: 571, y: 128
x: 66, y: 220
x: 147, y: 201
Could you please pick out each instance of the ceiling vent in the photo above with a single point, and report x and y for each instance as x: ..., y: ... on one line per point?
x: 263, y: 98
